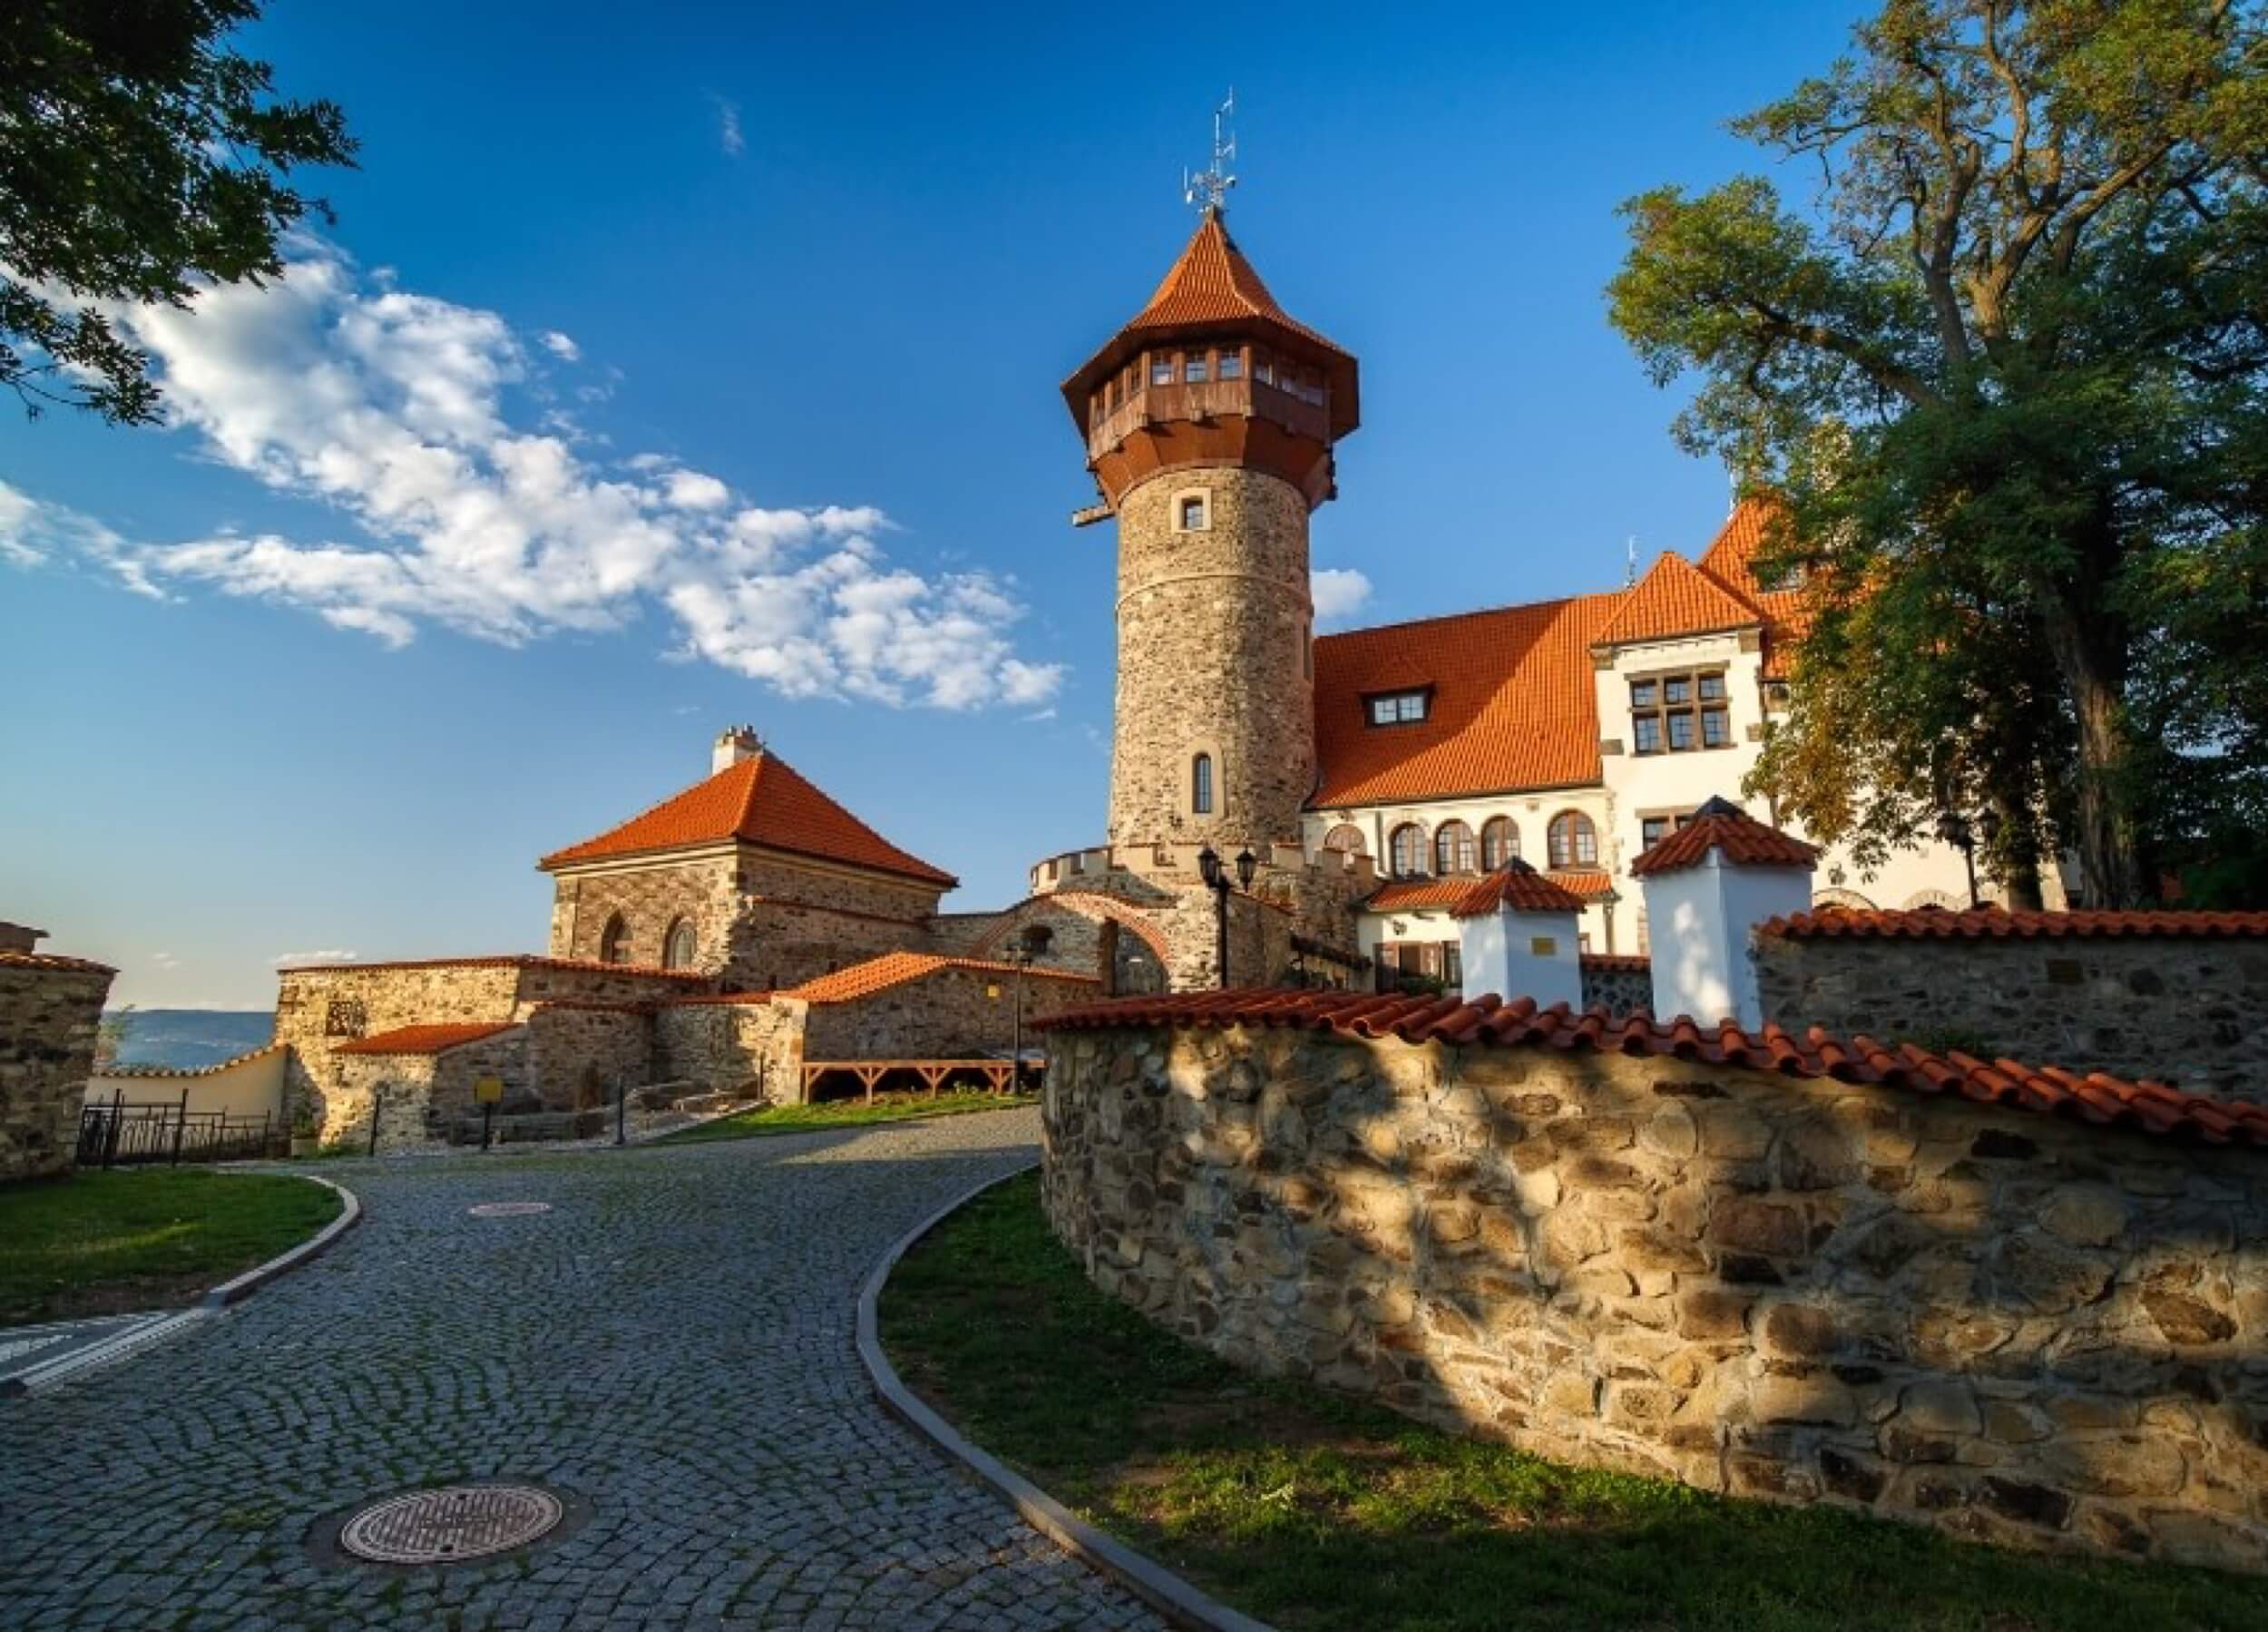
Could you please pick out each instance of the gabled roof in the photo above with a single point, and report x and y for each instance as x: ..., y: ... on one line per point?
x: 424, y: 1040
x: 762, y: 800
x: 1518, y: 886
x: 896, y: 968
x: 1676, y: 598
x: 1720, y: 825
x: 1512, y: 706
x: 1997, y: 923
x: 1731, y: 559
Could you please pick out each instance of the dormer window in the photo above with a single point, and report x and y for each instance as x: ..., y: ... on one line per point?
x: 1398, y: 707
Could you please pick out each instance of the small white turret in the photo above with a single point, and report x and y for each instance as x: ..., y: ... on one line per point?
x: 1519, y: 935
x: 1707, y: 887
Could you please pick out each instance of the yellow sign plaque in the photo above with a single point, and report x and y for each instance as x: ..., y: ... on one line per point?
x: 487, y: 1090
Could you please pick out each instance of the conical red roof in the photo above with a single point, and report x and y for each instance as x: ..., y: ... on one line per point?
x: 764, y: 801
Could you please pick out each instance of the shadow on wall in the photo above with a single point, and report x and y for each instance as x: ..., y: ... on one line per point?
x: 2008, y: 1325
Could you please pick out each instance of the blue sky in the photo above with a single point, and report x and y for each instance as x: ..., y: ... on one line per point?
x: 680, y: 366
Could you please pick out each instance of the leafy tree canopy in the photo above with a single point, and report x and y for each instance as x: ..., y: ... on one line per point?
x: 2004, y: 371
x: 139, y: 157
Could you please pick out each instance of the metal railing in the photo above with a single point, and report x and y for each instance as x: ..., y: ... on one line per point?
x: 121, y: 1134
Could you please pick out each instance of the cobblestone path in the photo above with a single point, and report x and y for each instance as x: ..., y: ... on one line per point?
x: 672, y: 1346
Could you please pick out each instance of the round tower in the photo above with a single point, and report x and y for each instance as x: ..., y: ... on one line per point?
x: 1209, y: 421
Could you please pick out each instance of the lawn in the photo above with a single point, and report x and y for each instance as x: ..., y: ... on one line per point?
x: 842, y: 1113
x: 106, y: 1243
x: 1310, y: 1510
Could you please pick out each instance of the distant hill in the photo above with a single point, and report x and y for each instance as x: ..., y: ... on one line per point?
x: 193, y: 1037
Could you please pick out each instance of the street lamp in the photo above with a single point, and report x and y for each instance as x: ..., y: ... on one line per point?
x: 1954, y: 829
x: 1031, y: 946
x: 1216, y: 876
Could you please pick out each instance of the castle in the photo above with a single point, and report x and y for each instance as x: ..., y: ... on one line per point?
x: 1284, y: 807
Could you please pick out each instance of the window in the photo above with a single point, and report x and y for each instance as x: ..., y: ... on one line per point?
x: 1232, y: 366
x: 1405, y: 850
x: 1499, y: 841
x: 1193, y: 368
x: 677, y: 947
x: 1571, y: 840
x: 1189, y: 510
x: 1201, y: 784
x: 1397, y: 707
x: 1653, y: 830
x: 1346, y: 838
x: 1453, y: 848
x: 614, y: 941
x: 344, y: 1018
x: 1264, y: 367
x: 1452, y: 964
x: 1677, y: 713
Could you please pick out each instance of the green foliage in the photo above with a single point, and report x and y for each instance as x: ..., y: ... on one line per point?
x: 2006, y: 373
x: 139, y: 159
x: 97, y: 1243
x: 1316, y: 1511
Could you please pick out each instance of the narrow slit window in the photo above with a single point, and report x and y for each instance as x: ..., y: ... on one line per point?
x: 1201, y: 784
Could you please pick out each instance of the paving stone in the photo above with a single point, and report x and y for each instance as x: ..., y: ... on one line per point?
x: 671, y: 1345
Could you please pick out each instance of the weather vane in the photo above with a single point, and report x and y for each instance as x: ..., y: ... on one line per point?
x: 1208, y: 191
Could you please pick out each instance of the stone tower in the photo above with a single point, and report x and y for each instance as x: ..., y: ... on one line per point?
x: 1209, y: 421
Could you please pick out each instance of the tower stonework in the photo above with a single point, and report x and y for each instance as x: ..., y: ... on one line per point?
x: 1209, y: 421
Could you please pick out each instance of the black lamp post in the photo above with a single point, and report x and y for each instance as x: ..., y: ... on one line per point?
x: 1030, y: 945
x: 1216, y: 876
x: 1954, y: 829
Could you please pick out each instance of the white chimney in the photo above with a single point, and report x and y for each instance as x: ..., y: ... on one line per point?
x: 1519, y: 934
x: 1706, y: 886
x: 734, y: 744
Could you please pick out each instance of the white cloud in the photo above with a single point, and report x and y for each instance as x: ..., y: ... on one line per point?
x: 728, y: 134
x: 1338, y: 592
x: 165, y: 960
x: 397, y: 410
x: 289, y: 960
x: 560, y: 345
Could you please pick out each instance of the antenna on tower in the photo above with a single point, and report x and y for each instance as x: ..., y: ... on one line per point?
x: 1630, y: 560
x: 1207, y: 191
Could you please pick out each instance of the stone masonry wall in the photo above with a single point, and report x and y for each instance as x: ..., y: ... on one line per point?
x: 649, y: 898
x: 418, y: 1096
x: 949, y: 1014
x: 311, y: 1003
x: 755, y: 1046
x: 578, y: 1053
x: 2005, y: 1324
x: 780, y: 944
x: 1213, y: 629
x: 2195, y: 1011
x: 50, y: 1008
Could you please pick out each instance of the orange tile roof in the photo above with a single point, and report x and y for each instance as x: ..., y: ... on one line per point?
x: 1994, y: 924
x: 53, y: 961
x: 424, y: 1040
x: 763, y: 800
x: 1731, y: 558
x: 1418, y: 895
x: 1214, y: 283
x: 896, y: 968
x: 2101, y: 1099
x: 1626, y: 963
x: 1517, y: 885
x: 1676, y: 598
x: 1721, y: 825
x: 1594, y: 885
x: 189, y: 1071
x: 1512, y: 706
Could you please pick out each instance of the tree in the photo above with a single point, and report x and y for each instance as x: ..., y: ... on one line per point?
x: 139, y: 158
x: 2012, y: 363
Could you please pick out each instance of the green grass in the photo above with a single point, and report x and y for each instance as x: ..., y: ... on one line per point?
x: 1310, y: 1510
x: 842, y: 1113
x: 106, y: 1243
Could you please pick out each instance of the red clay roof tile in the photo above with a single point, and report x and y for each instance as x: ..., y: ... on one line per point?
x: 1518, y: 886
x: 1593, y: 886
x: 1418, y: 896
x: 1491, y: 1021
x: 762, y: 800
x: 896, y: 968
x: 424, y: 1040
x: 1214, y: 283
x: 213, y: 1069
x: 1626, y: 963
x: 1676, y: 598
x: 1745, y: 841
x: 1994, y: 924
x: 55, y: 960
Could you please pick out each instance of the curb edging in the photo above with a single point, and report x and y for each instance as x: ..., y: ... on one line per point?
x: 236, y: 1291
x: 1173, y: 1597
x: 162, y: 1324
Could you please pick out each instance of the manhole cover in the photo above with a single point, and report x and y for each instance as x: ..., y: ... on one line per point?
x: 440, y: 1527
x: 508, y: 1209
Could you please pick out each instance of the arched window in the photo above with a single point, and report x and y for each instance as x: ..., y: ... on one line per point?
x: 1500, y: 843
x: 1405, y: 846
x: 1346, y: 838
x: 677, y: 947
x: 1572, y: 840
x: 1453, y: 848
x: 1201, y: 784
x: 614, y: 941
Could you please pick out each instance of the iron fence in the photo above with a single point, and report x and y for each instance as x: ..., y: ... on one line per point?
x: 124, y: 1134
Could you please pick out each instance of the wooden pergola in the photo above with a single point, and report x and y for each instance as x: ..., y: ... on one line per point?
x: 1001, y: 1074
